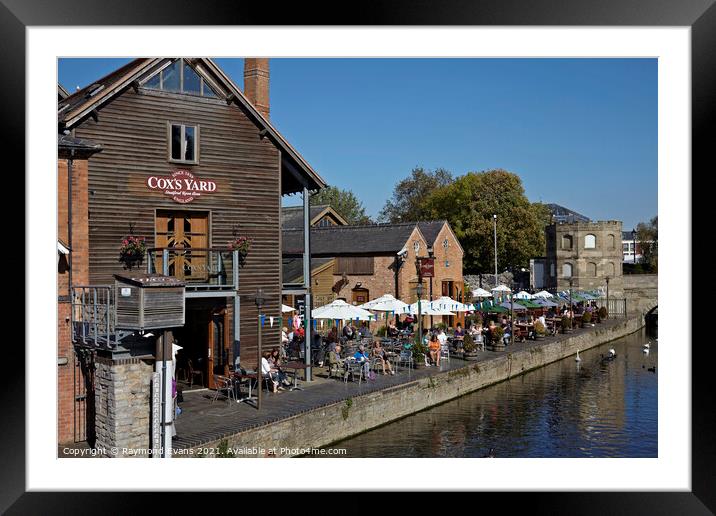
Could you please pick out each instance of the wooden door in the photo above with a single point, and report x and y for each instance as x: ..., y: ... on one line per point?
x: 360, y: 296
x: 184, y: 231
x: 217, y: 345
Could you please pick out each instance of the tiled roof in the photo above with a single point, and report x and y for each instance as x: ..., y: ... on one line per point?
x: 562, y: 214
x: 293, y: 268
x: 350, y: 240
x: 431, y: 229
x: 292, y: 216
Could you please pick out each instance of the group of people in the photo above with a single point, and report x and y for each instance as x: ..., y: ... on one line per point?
x: 271, y: 369
x: 376, y: 353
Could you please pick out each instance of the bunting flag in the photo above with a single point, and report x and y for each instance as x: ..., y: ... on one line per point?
x: 315, y: 324
x: 263, y: 320
x: 321, y: 323
x: 271, y: 321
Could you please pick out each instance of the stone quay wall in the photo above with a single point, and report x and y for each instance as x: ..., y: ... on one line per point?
x: 326, y: 425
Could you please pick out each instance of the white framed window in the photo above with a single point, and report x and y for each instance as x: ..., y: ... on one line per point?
x: 180, y: 77
x: 567, y: 270
x: 183, y: 143
x: 590, y: 242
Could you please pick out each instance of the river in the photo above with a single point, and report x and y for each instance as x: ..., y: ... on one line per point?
x: 592, y: 408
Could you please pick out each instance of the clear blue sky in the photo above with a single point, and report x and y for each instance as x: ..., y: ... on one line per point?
x: 580, y: 132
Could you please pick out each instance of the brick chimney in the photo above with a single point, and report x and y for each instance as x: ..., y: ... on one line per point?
x: 256, y: 83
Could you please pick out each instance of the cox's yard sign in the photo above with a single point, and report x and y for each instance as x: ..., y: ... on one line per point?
x: 181, y: 185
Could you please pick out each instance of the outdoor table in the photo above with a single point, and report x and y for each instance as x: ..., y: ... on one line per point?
x: 238, y: 375
x: 296, y: 366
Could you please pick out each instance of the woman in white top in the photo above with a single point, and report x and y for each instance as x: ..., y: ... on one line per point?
x: 267, y: 371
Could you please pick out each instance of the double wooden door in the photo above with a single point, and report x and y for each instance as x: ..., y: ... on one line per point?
x: 188, y: 233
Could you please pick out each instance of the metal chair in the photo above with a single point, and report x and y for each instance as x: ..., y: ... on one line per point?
x: 353, y: 368
x: 223, y: 383
x: 444, y: 353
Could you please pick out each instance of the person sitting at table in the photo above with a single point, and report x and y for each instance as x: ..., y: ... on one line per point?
x: 379, y: 352
x: 335, y: 362
x: 442, y: 338
x: 349, y: 331
x: 477, y: 337
x: 270, y: 372
x: 362, y: 356
x: 434, y: 348
x: 459, y: 332
x: 491, y: 330
x: 392, y: 329
x: 275, y: 362
x: 364, y: 331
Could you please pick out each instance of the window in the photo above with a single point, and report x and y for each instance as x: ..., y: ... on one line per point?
x: 184, y: 143
x: 566, y: 241
x: 590, y: 242
x: 625, y: 247
x: 567, y: 270
x: 592, y: 270
x: 610, y: 269
x: 610, y: 241
x: 180, y: 77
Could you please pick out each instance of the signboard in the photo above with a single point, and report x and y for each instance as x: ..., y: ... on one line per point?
x: 181, y: 185
x: 156, y: 413
x: 427, y: 267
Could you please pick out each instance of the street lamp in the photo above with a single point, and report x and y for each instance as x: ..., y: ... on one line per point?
x: 633, y: 234
x: 259, y: 300
x: 494, y: 218
x: 571, y: 282
x: 430, y: 255
x: 607, y: 278
x: 420, y: 311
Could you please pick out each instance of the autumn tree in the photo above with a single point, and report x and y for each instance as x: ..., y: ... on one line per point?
x: 407, y: 201
x: 468, y: 204
x: 344, y: 202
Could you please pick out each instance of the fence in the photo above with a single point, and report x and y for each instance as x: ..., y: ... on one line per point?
x: 616, y: 307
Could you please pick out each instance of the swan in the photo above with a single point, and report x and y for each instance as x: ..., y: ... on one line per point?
x: 647, y: 345
x: 577, y: 359
x: 612, y: 353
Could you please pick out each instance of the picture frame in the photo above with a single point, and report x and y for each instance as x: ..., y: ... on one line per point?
x: 17, y: 15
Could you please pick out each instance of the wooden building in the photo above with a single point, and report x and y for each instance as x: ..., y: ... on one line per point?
x: 189, y: 163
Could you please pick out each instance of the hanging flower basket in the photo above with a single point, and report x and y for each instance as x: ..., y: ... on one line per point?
x: 132, y: 251
x: 242, y: 245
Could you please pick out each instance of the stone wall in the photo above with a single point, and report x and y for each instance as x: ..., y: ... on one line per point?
x: 122, y: 404
x: 344, y: 419
x: 641, y: 291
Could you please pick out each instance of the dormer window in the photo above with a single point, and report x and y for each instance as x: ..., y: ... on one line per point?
x: 180, y: 77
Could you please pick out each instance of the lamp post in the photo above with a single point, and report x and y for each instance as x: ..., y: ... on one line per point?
x: 512, y: 313
x: 633, y: 234
x: 494, y: 218
x: 571, y: 282
x: 420, y: 314
x: 430, y: 254
x: 607, y: 278
x: 260, y: 299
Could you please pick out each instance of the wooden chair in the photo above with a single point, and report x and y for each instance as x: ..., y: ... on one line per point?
x: 194, y: 372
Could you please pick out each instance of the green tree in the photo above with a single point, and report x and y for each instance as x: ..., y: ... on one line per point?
x: 469, y: 203
x: 647, y: 237
x: 407, y: 201
x: 344, y: 202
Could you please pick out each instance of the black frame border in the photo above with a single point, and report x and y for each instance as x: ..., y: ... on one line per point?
x: 700, y: 15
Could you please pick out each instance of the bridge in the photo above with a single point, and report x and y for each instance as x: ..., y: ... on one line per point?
x: 641, y: 292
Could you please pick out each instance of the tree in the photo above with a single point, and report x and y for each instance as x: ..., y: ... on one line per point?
x: 344, y: 202
x: 647, y: 237
x: 468, y: 204
x: 406, y: 204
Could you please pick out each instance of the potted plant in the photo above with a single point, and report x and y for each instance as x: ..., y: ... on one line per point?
x: 132, y: 251
x: 603, y: 313
x: 419, y: 351
x: 566, y: 324
x: 540, y: 330
x: 587, y: 319
x: 497, y: 343
x: 242, y: 245
x: 469, y: 348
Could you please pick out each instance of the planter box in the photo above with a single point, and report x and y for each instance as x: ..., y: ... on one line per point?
x: 470, y: 356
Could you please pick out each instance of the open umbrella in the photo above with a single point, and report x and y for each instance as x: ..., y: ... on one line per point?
x: 389, y: 304
x: 426, y: 309
x: 530, y: 303
x: 501, y: 288
x: 286, y: 308
x: 543, y: 294
x: 339, y: 309
x: 370, y: 304
x: 448, y: 303
x: 523, y: 295
x: 481, y: 292
x: 545, y: 302
x: 515, y: 306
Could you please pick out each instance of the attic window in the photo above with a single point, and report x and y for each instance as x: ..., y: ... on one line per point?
x: 180, y: 77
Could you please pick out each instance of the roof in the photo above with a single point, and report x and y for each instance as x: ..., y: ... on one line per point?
x: 85, y: 102
x: 431, y: 229
x: 62, y: 93
x: 562, y: 214
x: 68, y: 146
x: 350, y: 240
x: 628, y: 235
x: 293, y: 268
x: 292, y: 216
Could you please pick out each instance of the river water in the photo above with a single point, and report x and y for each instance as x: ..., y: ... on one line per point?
x: 592, y: 408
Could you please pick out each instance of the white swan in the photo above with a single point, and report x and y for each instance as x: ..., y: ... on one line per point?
x: 647, y: 345
x: 612, y: 353
x: 577, y: 359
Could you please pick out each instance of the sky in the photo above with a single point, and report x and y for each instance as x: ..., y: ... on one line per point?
x: 579, y: 132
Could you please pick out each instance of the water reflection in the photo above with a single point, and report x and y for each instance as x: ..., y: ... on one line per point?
x: 592, y: 408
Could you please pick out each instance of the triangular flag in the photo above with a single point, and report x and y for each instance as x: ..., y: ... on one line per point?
x: 271, y: 321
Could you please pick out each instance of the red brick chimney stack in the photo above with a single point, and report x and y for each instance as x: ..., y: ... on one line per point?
x: 256, y: 83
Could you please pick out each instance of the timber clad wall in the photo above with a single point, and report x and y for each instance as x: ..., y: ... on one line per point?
x: 132, y: 130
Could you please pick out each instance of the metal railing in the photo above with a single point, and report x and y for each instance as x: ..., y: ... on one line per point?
x: 93, y: 314
x: 210, y: 268
x: 617, y: 307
